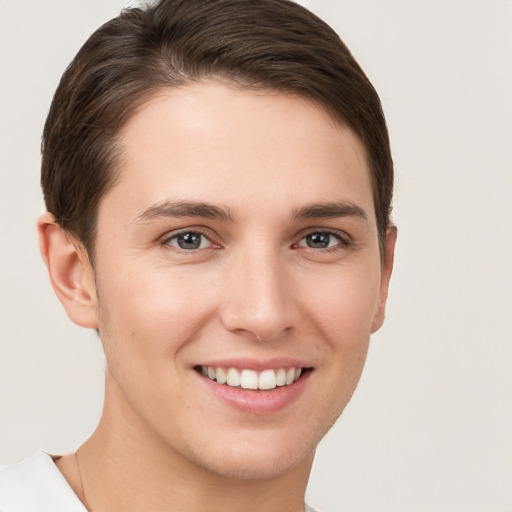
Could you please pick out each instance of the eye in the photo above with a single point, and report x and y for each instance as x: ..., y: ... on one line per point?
x: 189, y: 241
x: 321, y: 240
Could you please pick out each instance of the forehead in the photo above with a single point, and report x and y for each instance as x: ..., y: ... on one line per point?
x: 212, y: 142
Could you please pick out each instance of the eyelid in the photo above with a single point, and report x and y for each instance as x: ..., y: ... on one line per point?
x: 345, y: 239
x: 165, y: 240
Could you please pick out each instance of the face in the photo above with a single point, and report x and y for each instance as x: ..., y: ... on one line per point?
x: 238, y: 277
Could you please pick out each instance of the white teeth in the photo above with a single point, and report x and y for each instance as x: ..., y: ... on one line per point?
x: 267, y: 379
x: 233, y: 377
x: 221, y: 376
x: 250, y: 379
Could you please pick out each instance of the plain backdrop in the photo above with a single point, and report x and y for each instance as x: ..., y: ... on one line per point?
x: 430, y: 425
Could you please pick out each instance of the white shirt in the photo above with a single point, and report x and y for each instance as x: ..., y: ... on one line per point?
x: 36, y: 485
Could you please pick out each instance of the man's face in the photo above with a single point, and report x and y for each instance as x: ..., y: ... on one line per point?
x: 239, y: 241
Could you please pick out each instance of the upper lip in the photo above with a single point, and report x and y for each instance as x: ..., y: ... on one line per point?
x: 257, y: 364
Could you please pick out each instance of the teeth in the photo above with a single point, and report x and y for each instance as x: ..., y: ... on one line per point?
x: 281, y: 377
x: 221, y: 376
x: 250, y: 379
x: 268, y: 379
x: 233, y: 378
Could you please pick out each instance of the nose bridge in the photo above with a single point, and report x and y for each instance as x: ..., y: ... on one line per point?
x: 258, y: 296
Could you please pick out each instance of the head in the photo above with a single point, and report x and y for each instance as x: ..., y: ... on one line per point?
x: 169, y: 132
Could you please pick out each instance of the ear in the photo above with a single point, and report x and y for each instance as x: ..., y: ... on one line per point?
x: 70, y: 272
x: 387, y: 269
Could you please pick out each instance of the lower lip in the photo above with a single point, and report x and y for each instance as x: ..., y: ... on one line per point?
x: 254, y: 401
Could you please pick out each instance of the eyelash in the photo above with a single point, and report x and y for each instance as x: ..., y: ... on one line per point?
x: 174, y: 236
x: 344, y: 241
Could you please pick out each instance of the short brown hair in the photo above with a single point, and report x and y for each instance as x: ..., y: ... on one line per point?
x: 255, y: 44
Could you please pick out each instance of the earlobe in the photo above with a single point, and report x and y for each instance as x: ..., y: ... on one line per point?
x: 70, y: 272
x: 387, y: 269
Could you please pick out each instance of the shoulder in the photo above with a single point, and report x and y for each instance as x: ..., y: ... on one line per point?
x: 36, y: 485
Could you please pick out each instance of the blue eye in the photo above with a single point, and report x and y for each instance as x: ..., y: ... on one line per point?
x: 189, y: 241
x: 320, y: 240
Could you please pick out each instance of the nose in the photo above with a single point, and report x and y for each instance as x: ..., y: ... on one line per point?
x: 258, y: 297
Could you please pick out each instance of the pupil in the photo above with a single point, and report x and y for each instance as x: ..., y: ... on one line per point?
x: 318, y: 240
x: 189, y: 241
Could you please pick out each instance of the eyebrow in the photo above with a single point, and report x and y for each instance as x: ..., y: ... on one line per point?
x: 184, y: 209
x: 209, y: 211
x: 330, y: 210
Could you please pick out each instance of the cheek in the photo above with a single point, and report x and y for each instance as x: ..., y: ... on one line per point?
x: 146, y: 318
x: 344, y: 303
x: 145, y: 322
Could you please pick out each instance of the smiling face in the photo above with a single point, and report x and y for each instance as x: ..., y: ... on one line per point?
x: 239, y: 246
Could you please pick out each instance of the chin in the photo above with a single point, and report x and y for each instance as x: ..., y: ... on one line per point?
x: 251, y: 466
x: 257, y: 455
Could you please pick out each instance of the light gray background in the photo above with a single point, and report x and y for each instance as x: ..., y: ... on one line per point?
x: 430, y: 426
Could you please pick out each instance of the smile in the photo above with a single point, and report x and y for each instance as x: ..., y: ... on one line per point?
x: 251, y: 379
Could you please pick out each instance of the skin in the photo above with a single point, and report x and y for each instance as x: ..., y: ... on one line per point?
x: 254, y: 289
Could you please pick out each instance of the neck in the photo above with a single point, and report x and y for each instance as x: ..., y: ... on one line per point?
x: 125, y: 467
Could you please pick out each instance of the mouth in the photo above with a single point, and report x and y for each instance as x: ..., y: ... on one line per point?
x: 244, y: 378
